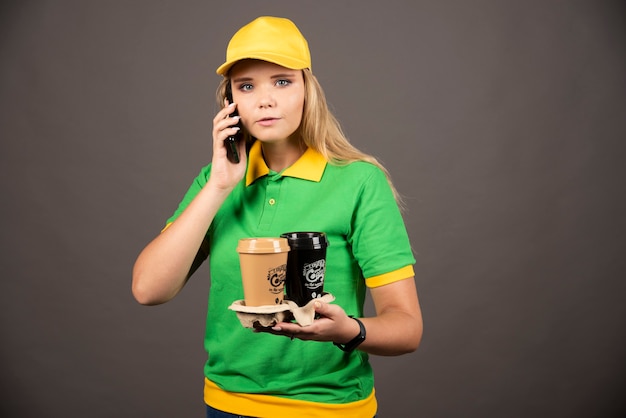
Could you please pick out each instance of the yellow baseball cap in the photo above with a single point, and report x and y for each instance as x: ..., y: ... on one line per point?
x: 267, y: 38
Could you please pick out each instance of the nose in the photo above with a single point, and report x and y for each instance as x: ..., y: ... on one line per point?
x: 266, y: 98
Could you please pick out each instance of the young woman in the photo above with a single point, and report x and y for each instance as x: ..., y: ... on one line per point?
x: 297, y: 171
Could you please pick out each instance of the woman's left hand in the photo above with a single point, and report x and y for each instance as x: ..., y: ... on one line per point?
x: 333, y: 325
x: 395, y: 329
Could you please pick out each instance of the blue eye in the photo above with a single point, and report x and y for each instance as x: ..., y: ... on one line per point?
x: 245, y: 87
x: 283, y: 82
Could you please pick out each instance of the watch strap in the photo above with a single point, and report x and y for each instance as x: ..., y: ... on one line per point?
x: 356, y: 341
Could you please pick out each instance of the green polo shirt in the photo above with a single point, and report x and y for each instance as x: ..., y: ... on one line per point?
x: 369, y: 246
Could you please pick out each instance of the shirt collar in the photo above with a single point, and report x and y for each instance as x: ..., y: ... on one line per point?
x: 310, y: 166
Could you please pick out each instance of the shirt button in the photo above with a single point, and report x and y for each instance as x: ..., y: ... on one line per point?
x: 272, y: 202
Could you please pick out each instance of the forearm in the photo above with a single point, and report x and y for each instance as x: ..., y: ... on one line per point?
x: 391, y: 333
x: 162, y: 268
x: 397, y: 327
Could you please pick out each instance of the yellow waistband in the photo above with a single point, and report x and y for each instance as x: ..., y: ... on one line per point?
x: 276, y: 407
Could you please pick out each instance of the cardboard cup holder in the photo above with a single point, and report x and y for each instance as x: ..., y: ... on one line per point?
x: 270, y: 315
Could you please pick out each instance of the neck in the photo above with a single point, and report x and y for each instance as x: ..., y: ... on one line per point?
x: 279, y: 156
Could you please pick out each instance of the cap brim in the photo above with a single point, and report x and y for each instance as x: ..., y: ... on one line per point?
x: 287, y: 62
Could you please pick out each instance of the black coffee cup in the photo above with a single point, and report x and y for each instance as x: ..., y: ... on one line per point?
x: 306, y: 266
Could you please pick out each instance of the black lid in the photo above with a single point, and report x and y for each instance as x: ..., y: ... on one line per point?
x: 306, y: 240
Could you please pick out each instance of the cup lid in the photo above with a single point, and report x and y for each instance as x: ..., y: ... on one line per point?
x: 306, y: 240
x: 262, y: 245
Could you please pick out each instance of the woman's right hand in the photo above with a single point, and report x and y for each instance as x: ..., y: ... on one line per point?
x: 225, y: 174
x: 163, y: 267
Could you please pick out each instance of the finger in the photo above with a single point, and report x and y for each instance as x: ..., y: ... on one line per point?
x: 322, y: 308
x: 328, y: 310
x: 286, y: 329
x: 227, y: 123
x: 225, y: 127
x: 231, y: 128
x: 277, y: 330
x: 224, y: 113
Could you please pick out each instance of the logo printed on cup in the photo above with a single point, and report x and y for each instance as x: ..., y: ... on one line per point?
x: 276, y: 277
x: 313, y: 273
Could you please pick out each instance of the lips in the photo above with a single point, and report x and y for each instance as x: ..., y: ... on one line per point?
x: 267, y: 121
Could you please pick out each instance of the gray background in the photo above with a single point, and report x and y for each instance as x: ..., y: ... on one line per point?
x: 502, y: 123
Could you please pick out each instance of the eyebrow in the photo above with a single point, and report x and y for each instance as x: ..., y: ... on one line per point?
x: 284, y: 75
x: 241, y: 79
x: 244, y: 79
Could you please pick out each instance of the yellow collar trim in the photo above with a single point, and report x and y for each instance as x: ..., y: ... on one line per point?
x: 310, y: 166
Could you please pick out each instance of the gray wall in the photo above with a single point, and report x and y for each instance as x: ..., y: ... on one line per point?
x: 502, y: 123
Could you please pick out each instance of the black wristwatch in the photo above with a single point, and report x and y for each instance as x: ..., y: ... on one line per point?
x: 354, y: 343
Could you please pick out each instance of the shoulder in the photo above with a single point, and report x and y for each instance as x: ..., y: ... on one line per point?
x: 358, y: 180
x: 358, y: 174
x: 359, y: 169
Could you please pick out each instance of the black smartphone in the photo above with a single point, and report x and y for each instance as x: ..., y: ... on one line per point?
x: 231, y: 142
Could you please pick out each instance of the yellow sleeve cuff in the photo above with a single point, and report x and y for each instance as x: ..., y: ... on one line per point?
x: 392, y: 276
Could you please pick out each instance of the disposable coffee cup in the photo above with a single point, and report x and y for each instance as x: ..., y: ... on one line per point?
x: 263, y: 264
x: 306, y: 266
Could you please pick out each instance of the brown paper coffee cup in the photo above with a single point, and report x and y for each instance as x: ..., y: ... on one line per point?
x: 263, y: 264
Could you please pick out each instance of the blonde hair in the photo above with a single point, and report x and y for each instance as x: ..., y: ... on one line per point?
x: 320, y: 129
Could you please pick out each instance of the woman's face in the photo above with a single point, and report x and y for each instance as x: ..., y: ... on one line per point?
x: 270, y: 99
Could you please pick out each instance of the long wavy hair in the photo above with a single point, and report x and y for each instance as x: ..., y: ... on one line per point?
x: 319, y: 129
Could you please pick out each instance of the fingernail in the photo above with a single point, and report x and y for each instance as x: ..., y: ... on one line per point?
x: 277, y: 328
x: 232, y: 104
x: 317, y: 305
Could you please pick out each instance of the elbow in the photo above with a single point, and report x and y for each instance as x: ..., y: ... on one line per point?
x: 143, y: 293
x: 414, y: 344
x: 406, y: 343
x: 409, y: 346
x: 419, y: 332
x: 415, y: 338
x: 141, y: 300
